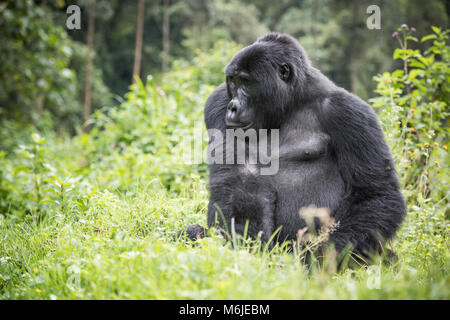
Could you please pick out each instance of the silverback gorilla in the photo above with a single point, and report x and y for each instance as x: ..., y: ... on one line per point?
x: 332, y: 152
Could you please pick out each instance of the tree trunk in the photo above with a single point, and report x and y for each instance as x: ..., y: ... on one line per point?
x: 41, y: 97
x: 312, y: 28
x: 40, y: 105
x: 166, y: 33
x: 355, y: 50
x: 90, y: 44
x: 139, y: 35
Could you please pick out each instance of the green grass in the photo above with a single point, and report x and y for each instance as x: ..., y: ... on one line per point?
x: 124, y: 247
x: 96, y: 216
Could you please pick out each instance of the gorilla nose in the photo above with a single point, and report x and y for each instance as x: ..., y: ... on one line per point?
x: 232, y: 113
x: 232, y: 107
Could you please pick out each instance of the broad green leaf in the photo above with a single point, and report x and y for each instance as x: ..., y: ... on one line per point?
x: 436, y: 30
x: 428, y: 37
x: 414, y: 73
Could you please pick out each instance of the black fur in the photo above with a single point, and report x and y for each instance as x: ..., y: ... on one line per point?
x: 192, y: 232
x: 332, y: 151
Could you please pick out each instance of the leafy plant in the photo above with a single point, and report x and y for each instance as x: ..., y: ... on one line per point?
x: 415, y: 103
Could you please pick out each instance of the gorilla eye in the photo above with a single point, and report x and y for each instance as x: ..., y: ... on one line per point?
x: 244, y: 80
x: 244, y: 76
x: 285, y: 71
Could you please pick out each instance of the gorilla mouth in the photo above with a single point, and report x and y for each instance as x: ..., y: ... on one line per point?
x: 238, y: 125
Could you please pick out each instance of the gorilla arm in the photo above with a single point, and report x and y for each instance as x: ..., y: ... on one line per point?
x: 234, y: 191
x: 215, y: 109
x: 373, y: 206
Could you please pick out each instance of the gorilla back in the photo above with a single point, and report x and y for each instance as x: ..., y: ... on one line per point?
x: 332, y: 151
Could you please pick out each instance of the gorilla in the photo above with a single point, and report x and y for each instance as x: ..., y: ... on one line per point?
x: 332, y: 152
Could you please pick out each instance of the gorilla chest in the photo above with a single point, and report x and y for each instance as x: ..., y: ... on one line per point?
x: 305, y: 162
x: 307, y: 175
x: 304, y: 146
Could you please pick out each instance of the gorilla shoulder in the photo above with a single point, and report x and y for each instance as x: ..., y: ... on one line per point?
x: 215, y: 108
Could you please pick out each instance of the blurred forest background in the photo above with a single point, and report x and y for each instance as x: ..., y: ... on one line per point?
x: 43, y: 70
x: 92, y: 198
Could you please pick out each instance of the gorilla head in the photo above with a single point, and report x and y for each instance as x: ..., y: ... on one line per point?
x: 264, y: 80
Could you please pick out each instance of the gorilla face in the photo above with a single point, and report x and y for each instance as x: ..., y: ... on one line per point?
x: 240, y: 114
x: 259, y: 86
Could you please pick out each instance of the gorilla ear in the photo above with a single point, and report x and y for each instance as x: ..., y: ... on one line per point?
x: 285, y: 71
